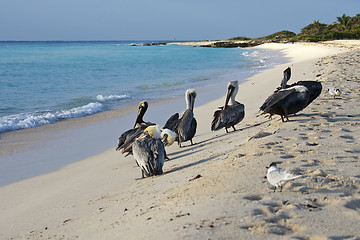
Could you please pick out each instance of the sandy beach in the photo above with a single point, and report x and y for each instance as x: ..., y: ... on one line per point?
x: 217, y: 189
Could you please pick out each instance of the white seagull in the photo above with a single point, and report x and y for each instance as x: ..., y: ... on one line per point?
x: 277, y: 176
x: 335, y: 92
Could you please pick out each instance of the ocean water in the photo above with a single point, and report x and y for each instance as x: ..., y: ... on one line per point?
x: 46, y: 82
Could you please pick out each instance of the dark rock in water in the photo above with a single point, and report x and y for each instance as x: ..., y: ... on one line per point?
x: 149, y: 44
x: 233, y: 44
x: 154, y: 44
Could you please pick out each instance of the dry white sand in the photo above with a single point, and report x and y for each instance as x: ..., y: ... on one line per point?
x: 216, y: 189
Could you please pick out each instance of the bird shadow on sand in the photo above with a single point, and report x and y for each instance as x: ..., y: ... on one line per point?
x: 190, y: 149
x: 308, y: 117
x: 191, y: 164
x: 184, y: 154
x: 341, y: 118
x: 254, y: 125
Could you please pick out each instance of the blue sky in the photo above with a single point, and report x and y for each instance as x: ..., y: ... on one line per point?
x: 162, y: 19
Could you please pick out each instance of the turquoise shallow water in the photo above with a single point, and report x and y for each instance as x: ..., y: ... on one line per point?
x: 45, y: 82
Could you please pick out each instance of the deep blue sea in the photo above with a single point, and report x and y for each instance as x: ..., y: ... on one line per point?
x: 45, y: 82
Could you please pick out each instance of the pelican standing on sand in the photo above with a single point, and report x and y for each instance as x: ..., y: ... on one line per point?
x: 139, y: 124
x: 314, y: 87
x: 278, y: 177
x: 184, y: 127
x: 286, y: 101
x: 232, y: 113
x: 290, y: 99
x: 149, y: 151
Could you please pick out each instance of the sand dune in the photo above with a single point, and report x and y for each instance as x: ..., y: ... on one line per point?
x: 217, y: 189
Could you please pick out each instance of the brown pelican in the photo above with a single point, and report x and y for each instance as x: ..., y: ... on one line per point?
x: 231, y: 113
x: 286, y: 101
x: 335, y: 92
x: 139, y: 124
x: 184, y: 127
x: 277, y: 176
x: 314, y: 87
x: 149, y: 151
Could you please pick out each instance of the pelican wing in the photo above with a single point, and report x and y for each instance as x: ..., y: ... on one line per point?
x: 186, y: 127
x: 124, y: 137
x: 227, y: 117
x: 218, y: 121
x: 192, y: 130
x: 143, y: 156
x: 158, y: 152
x: 172, y: 122
x: 313, y: 87
x: 131, y: 137
x: 275, y: 98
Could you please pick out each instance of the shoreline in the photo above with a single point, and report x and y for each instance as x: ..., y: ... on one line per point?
x: 36, y: 151
x: 215, y: 189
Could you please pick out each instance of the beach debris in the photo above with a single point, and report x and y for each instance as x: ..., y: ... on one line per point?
x: 67, y: 220
x: 182, y: 215
x: 277, y: 177
x: 261, y: 135
x: 196, y: 177
x: 312, y: 144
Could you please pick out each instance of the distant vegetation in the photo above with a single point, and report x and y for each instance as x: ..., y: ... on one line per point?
x: 239, y: 39
x: 345, y: 27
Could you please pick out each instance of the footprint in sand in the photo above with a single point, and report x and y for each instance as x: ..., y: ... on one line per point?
x: 353, y: 204
x: 273, y: 218
x: 253, y: 197
x: 348, y: 137
x: 310, y: 163
x: 288, y: 156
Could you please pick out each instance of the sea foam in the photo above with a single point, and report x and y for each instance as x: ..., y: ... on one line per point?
x: 102, y: 98
x: 30, y: 120
x: 35, y: 119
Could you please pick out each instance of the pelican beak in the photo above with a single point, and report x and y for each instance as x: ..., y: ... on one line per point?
x: 192, y: 99
x: 127, y: 149
x: 228, y: 94
x: 138, y: 116
x: 287, y: 75
x: 165, y: 140
x: 118, y: 148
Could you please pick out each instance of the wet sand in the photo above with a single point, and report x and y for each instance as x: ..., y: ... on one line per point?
x: 216, y: 189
